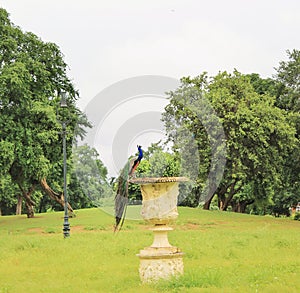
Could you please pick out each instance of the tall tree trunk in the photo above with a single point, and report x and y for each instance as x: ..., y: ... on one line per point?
x: 232, y: 192
x: 210, y: 194
x: 227, y: 201
x: 29, y: 207
x: 19, y: 205
x: 59, y: 198
x: 29, y: 203
x: 221, y: 201
x: 42, y: 203
x: 208, y: 202
x: 240, y: 207
x: 221, y: 196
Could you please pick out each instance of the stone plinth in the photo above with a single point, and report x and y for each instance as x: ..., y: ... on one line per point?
x: 161, y: 260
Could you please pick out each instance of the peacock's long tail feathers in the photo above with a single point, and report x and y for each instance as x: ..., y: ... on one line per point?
x: 121, y: 199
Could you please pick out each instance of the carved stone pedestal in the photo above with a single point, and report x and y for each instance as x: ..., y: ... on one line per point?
x: 161, y: 260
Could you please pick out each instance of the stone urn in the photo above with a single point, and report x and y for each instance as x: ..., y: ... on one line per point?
x: 161, y: 260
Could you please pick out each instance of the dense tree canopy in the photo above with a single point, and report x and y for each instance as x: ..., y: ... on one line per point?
x: 32, y: 75
x: 259, y: 135
x: 288, y: 97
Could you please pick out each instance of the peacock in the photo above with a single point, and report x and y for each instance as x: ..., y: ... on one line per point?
x: 137, y: 161
x: 121, y: 198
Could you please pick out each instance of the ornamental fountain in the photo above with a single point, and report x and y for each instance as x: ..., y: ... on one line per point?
x: 161, y: 260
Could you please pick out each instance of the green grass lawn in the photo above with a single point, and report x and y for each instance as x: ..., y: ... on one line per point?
x: 224, y: 252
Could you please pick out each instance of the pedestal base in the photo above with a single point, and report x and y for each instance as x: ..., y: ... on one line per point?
x: 164, y: 266
x: 161, y: 260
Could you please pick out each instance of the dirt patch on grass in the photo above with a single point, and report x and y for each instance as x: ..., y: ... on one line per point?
x: 36, y: 230
x: 191, y: 226
x: 77, y: 229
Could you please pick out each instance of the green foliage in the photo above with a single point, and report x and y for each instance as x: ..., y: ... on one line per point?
x: 90, y: 175
x: 156, y: 163
x: 162, y: 164
x: 263, y: 86
x: 6, y: 156
x: 287, y: 75
x: 259, y: 135
x: 297, y: 217
x: 8, y: 192
x: 32, y: 74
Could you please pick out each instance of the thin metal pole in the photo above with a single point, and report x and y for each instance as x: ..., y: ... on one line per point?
x: 66, y: 227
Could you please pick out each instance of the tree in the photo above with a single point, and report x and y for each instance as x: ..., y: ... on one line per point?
x: 285, y: 87
x: 264, y: 86
x: 288, y: 77
x: 32, y: 74
x: 288, y: 98
x: 90, y: 177
x: 258, y: 134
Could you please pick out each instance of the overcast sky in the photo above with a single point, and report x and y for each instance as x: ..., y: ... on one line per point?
x: 107, y: 41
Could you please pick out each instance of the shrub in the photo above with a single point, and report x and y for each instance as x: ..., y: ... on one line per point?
x: 297, y: 217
